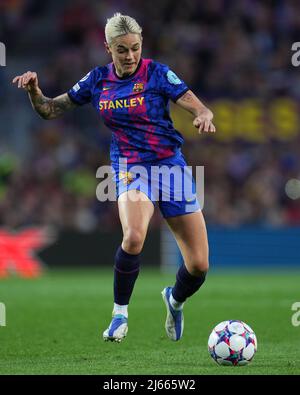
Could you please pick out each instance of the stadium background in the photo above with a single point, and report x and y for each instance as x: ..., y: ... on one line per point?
x: 236, y: 55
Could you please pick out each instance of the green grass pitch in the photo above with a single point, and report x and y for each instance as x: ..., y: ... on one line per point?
x: 55, y: 324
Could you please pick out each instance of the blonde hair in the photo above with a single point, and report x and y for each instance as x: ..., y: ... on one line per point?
x: 119, y: 25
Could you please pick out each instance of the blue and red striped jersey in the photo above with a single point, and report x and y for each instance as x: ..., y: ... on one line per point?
x: 135, y: 109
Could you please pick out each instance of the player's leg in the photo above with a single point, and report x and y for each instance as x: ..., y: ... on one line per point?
x: 191, y: 236
x: 190, y: 233
x: 135, y: 211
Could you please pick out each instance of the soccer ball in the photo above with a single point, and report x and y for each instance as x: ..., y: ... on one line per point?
x: 232, y: 343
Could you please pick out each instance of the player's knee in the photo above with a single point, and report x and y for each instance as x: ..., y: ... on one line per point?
x: 133, y: 241
x: 199, y: 265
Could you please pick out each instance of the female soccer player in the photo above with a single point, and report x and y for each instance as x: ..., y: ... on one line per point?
x: 132, y: 95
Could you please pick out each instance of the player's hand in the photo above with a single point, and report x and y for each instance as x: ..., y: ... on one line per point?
x: 28, y: 81
x: 204, y: 122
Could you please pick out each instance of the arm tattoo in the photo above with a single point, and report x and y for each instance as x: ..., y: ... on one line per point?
x: 187, y: 97
x: 190, y: 102
x: 51, y: 108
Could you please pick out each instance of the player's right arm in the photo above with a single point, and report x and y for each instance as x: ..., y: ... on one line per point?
x: 46, y: 107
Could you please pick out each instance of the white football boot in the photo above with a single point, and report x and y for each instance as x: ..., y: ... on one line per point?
x: 174, y: 321
x: 117, y: 329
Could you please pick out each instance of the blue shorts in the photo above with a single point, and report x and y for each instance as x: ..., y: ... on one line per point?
x: 167, y: 181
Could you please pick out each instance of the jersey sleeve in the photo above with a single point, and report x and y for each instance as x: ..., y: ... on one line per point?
x: 169, y: 83
x: 81, y: 92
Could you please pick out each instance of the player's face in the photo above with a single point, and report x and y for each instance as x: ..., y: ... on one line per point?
x: 126, y: 53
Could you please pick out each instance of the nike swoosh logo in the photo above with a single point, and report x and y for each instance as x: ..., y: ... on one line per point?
x: 106, y: 88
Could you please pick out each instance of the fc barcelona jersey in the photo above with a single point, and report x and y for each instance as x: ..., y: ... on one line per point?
x: 135, y: 109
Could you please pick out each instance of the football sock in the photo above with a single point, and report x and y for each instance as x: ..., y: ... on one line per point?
x: 186, y: 284
x: 126, y: 271
x: 120, y: 309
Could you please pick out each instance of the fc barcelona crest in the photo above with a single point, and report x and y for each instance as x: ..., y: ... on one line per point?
x: 126, y: 176
x: 138, y: 87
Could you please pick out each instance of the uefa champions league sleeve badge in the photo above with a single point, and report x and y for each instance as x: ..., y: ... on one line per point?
x: 172, y: 78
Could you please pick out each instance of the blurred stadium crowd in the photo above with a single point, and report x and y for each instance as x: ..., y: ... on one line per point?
x: 221, y: 48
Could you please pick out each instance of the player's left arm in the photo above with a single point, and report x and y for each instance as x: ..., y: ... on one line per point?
x: 203, y: 116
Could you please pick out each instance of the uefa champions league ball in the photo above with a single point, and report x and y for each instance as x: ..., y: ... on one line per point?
x: 232, y: 343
